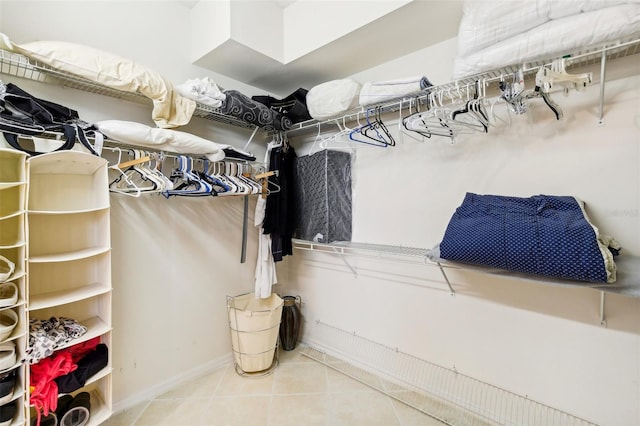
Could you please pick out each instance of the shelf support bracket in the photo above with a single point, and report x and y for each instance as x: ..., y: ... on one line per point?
x: 603, y: 321
x: 603, y: 67
x: 245, y: 218
x: 444, y: 274
x: 355, y: 273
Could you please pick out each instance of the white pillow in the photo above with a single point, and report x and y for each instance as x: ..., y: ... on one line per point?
x: 132, y: 133
x: 170, y: 109
x: 334, y: 97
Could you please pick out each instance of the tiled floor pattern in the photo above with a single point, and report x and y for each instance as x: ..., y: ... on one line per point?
x: 300, y: 392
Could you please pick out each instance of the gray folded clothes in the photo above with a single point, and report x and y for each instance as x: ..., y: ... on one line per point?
x: 381, y: 91
x: 241, y: 106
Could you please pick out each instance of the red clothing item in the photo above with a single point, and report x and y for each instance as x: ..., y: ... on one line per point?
x: 44, y: 390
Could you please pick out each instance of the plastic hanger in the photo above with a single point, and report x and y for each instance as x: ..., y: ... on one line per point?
x: 360, y: 134
x: 547, y: 76
x: 122, y: 184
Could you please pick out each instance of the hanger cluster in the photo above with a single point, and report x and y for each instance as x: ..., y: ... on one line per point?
x: 147, y: 173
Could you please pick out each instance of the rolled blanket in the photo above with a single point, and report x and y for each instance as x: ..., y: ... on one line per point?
x: 241, y: 106
x: 380, y: 91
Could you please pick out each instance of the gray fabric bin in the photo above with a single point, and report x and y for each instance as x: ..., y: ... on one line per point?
x: 323, y: 197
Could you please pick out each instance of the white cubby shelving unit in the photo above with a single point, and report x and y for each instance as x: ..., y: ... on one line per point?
x: 69, y: 262
x: 13, y: 247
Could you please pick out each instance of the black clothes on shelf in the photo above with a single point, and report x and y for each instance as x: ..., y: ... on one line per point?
x: 279, y: 219
x: 293, y: 106
x: 241, y: 106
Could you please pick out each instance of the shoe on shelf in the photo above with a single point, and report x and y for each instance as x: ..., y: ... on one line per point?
x: 79, y: 411
x: 48, y: 420
x: 8, y: 294
x: 7, y: 412
x: 64, y: 402
x: 7, y: 384
x: 7, y: 355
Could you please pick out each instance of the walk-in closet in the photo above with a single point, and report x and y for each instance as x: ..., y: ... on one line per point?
x: 318, y: 212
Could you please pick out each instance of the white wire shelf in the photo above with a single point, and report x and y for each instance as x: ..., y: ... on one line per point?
x: 442, y: 393
x: 627, y: 282
x: 19, y: 65
x: 573, y: 60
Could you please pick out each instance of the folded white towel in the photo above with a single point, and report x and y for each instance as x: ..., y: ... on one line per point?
x: 203, y: 91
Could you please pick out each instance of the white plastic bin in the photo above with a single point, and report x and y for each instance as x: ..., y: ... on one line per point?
x: 254, y: 325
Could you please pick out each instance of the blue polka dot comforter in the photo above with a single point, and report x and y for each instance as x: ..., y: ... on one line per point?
x: 542, y: 235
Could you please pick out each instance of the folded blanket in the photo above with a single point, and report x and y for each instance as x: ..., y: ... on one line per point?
x: 554, y: 38
x: 380, y: 91
x: 241, y: 106
x: 486, y: 23
x: 543, y: 235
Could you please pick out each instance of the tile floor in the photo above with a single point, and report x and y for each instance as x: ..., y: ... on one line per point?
x: 301, y: 392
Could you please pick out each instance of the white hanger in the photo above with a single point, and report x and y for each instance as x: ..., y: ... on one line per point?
x: 122, y: 184
x: 546, y: 77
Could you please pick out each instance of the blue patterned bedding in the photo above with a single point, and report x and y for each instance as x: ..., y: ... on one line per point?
x: 542, y: 235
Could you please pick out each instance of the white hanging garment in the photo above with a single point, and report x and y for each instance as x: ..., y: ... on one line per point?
x: 266, y: 267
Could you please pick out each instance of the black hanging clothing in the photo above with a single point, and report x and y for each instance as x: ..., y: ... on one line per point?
x: 279, y: 219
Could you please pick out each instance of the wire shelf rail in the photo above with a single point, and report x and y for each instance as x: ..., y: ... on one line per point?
x: 19, y: 65
x: 441, y: 393
x: 574, y: 60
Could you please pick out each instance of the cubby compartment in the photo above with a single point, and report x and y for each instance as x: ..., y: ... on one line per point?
x: 12, y: 166
x: 62, y: 234
x: 94, y: 313
x: 67, y: 181
x: 12, y: 325
x: 60, y: 283
x: 12, y: 199
x: 99, y: 398
x: 12, y: 231
x: 15, y: 255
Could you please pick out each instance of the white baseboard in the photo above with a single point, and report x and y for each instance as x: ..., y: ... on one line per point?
x: 170, y: 383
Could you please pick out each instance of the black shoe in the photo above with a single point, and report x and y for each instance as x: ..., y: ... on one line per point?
x: 64, y: 402
x: 49, y: 420
x: 7, y: 383
x: 79, y: 411
x: 7, y: 411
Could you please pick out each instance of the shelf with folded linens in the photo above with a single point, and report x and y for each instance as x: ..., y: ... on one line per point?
x: 18, y: 65
x: 581, y: 58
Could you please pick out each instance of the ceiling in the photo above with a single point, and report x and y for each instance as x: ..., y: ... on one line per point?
x: 414, y: 26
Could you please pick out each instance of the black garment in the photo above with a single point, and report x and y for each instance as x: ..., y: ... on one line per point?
x: 293, y: 106
x: 88, y: 365
x: 279, y: 218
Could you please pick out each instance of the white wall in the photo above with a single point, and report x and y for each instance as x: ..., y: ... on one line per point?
x: 533, y: 339
x: 175, y: 260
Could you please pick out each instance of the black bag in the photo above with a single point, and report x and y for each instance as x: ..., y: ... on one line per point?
x: 293, y: 106
x: 23, y: 114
